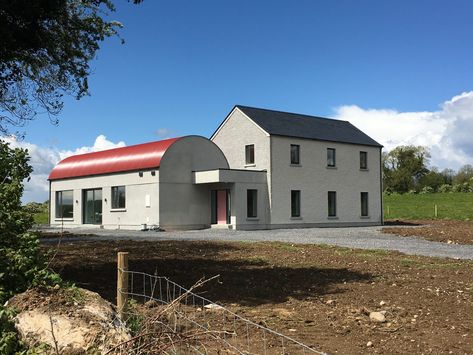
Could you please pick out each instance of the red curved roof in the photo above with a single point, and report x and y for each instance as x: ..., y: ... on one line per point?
x: 134, y: 157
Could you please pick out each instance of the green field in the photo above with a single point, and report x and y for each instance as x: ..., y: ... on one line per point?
x: 41, y: 218
x: 456, y: 205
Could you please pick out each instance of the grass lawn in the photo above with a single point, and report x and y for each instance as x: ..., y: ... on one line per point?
x: 41, y: 218
x: 456, y: 205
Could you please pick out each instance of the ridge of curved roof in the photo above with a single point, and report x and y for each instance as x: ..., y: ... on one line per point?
x: 129, y: 158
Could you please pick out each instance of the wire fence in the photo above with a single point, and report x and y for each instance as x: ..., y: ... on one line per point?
x: 221, y: 330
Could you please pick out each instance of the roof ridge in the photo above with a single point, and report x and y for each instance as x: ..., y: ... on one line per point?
x: 291, y: 113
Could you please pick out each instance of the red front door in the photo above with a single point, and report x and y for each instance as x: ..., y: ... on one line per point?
x: 221, y: 206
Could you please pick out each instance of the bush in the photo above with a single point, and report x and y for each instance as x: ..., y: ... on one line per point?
x: 22, y: 265
x: 445, y: 188
x: 426, y: 190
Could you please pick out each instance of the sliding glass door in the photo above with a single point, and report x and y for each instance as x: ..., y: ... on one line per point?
x: 92, y: 202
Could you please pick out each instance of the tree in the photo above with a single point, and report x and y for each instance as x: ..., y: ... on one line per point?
x: 45, y: 53
x: 433, y: 179
x: 464, y: 174
x: 403, y: 167
x: 21, y: 262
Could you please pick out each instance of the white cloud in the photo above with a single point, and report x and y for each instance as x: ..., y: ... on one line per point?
x: 164, y: 133
x: 43, y: 160
x: 447, y: 132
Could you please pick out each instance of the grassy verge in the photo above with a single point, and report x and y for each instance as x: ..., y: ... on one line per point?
x: 455, y: 206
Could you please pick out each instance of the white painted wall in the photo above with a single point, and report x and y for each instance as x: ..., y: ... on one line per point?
x: 131, y: 217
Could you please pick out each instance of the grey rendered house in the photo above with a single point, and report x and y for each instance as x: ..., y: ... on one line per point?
x: 261, y: 169
x: 320, y: 172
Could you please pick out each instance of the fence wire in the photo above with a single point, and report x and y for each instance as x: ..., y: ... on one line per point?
x: 222, y: 331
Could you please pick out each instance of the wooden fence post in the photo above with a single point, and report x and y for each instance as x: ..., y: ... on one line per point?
x: 435, y: 211
x: 122, y: 283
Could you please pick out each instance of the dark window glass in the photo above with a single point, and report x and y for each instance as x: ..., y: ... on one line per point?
x: 331, y: 157
x: 363, y: 160
x: 64, y: 204
x: 252, y: 203
x: 295, y: 203
x: 364, y: 204
x: 250, y: 154
x: 332, y: 204
x: 295, y: 154
x: 118, y: 197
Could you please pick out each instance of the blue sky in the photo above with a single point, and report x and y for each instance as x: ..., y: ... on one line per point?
x: 186, y: 63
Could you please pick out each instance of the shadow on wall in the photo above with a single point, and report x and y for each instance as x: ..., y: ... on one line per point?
x: 244, y: 279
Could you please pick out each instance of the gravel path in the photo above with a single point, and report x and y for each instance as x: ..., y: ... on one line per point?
x: 356, y: 237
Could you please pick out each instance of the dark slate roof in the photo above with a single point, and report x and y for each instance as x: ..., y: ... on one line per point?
x: 309, y: 127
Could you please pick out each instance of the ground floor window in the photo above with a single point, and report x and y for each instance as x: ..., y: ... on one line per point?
x: 118, y: 197
x: 364, y: 204
x: 64, y: 204
x: 252, y: 203
x: 332, y: 203
x: 295, y: 203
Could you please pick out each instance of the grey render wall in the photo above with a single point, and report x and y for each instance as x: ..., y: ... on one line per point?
x: 314, y: 180
x: 131, y: 217
x: 184, y: 204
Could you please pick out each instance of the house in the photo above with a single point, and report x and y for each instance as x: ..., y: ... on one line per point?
x: 260, y: 169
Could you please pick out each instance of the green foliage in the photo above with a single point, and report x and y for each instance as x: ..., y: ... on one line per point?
x: 21, y: 263
x: 454, y: 206
x: 40, y: 211
x: 9, y: 342
x: 426, y: 190
x: 445, y: 188
x: 45, y: 53
x: 404, y: 166
x: 464, y: 175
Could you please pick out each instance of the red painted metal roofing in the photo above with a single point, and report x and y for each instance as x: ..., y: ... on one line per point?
x: 134, y: 157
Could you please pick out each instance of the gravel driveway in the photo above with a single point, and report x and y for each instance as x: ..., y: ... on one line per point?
x: 350, y: 237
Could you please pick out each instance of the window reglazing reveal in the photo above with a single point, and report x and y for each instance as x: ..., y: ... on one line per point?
x: 250, y: 154
x: 252, y: 203
x: 118, y: 197
x: 331, y: 157
x: 64, y: 204
x: 295, y: 154
x: 332, y: 204
x: 364, y: 204
x: 363, y: 160
x: 295, y: 203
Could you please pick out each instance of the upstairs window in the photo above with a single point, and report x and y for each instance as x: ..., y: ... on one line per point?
x: 363, y: 160
x: 249, y: 154
x: 295, y: 203
x: 118, y: 197
x: 64, y: 204
x: 332, y: 203
x: 252, y: 203
x: 295, y: 154
x: 331, y: 158
x: 364, y: 204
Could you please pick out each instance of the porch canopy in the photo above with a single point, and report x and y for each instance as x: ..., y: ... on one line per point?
x: 229, y: 176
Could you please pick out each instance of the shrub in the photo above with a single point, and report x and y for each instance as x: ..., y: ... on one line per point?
x: 445, y: 188
x: 426, y: 190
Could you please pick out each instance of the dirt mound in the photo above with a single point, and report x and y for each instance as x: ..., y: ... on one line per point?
x: 68, y: 321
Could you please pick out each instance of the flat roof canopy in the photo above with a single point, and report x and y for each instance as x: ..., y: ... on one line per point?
x: 229, y: 176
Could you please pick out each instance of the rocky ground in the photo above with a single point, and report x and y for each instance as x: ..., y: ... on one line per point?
x: 445, y: 231
x: 340, y: 300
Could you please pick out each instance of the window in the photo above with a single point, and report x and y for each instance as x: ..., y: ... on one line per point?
x: 331, y: 157
x: 251, y: 203
x: 250, y: 154
x: 118, y: 197
x: 295, y: 203
x: 332, y: 204
x: 363, y: 160
x: 295, y: 154
x: 364, y: 204
x: 64, y: 207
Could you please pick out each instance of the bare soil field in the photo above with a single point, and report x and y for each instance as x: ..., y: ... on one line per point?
x: 445, y: 231
x: 324, y: 294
